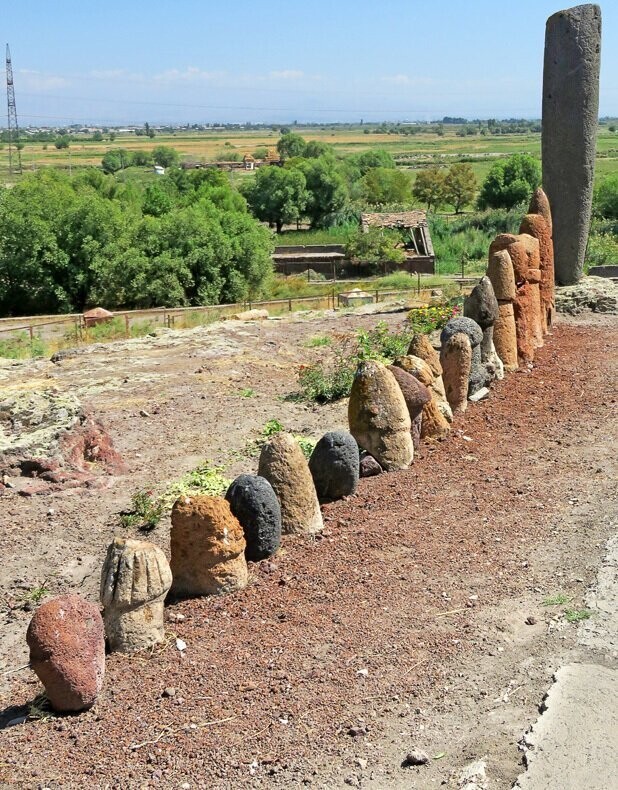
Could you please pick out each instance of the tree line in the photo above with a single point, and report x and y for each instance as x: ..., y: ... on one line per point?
x: 67, y: 244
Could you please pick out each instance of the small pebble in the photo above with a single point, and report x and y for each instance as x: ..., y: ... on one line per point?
x: 169, y: 692
x: 531, y: 620
x: 416, y: 757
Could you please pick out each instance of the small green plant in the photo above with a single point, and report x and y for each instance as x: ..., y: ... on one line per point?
x: 427, y: 319
x: 556, y: 600
x: 114, y: 329
x: 306, y: 444
x: 204, y: 479
x: 318, y: 340
x: 271, y: 428
x: 576, y: 615
x: 34, y: 596
x: 247, y: 393
x: 40, y: 708
x: 145, y: 512
x: 324, y: 384
x: 382, y: 344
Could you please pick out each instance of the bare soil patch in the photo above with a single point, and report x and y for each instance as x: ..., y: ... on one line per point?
x: 403, y: 625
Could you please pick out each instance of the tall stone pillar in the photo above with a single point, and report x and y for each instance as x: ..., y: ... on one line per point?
x: 570, y: 119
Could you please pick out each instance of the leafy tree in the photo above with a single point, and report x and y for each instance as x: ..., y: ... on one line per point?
x: 291, y: 145
x: 116, y: 159
x: 606, y: 198
x: 141, y: 158
x: 165, y: 155
x: 382, y: 186
x: 261, y: 152
x: 459, y: 185
x: 327, y: 188
x: 375, y: 246
x: 277, y: 196
x: 68, y: 243
x: 97, y: 137
x: 429, y: 187
x: 510, y: 181
x: 376, y: 157
x: 156, y: 201
x: 62, y: 141
x: 315, y: 148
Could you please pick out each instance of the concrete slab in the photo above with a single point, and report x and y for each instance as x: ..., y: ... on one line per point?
x: 574, y: 744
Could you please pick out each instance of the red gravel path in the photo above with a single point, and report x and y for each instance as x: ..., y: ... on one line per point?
x: 286, y: 676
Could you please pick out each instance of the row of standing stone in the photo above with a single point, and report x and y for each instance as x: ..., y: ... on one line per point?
x: 391, y: 411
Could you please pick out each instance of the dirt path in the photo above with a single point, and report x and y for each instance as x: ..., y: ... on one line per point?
x: 403, y: 626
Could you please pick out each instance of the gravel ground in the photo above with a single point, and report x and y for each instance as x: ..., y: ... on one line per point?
x: 387, y: 631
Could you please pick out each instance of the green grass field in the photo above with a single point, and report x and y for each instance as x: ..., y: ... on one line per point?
x: 414, y: 151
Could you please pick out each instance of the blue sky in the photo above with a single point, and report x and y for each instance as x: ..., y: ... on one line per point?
x: 202, y: 61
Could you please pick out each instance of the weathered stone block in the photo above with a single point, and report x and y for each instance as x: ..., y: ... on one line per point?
x: 379, y: 418
x: 135, y: 579
x: 207, y: 548
x: 570, y: 120
x: 285, y: 467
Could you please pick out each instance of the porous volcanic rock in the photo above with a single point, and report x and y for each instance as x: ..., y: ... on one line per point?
x: 539, y: 204
x: 570, y: 121
x: 500, y: 272
x: 207, y: 548
x: 378, y: 416
x: 255, y: 505
x: 482, y: 306
x: 285, y: 467
x: 416, y: 396
x: 420, y: 346
x: 67, y: 651
x: 135, y: 579
x: 369, y: 467
x: 456, y: 360
x: 465, y: 325
x: 334, y: 466
x: 480, y: 373
x: 434, y: 424
x: 538, y: 223
x: 524, y: 253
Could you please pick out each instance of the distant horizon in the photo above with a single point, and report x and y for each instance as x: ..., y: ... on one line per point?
x: 117, y: 64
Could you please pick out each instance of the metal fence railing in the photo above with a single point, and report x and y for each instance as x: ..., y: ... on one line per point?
x: 58, y: 331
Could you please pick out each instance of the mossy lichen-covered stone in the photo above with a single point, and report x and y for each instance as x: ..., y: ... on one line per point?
x: 255, y: 505
x: 207, y: 548
x: 334, y: 466
x: 379, y: 418
x: 285, y: 467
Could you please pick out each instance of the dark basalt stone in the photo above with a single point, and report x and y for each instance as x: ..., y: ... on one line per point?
x: 334, y: 466
x: 255, y: 505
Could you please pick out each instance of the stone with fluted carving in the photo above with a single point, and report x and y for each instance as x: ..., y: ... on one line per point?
x: 135, y: 579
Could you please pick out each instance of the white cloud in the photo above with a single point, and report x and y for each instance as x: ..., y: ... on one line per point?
x: 37, y: 81
x: 189, y: 74
x: 286, y: 74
